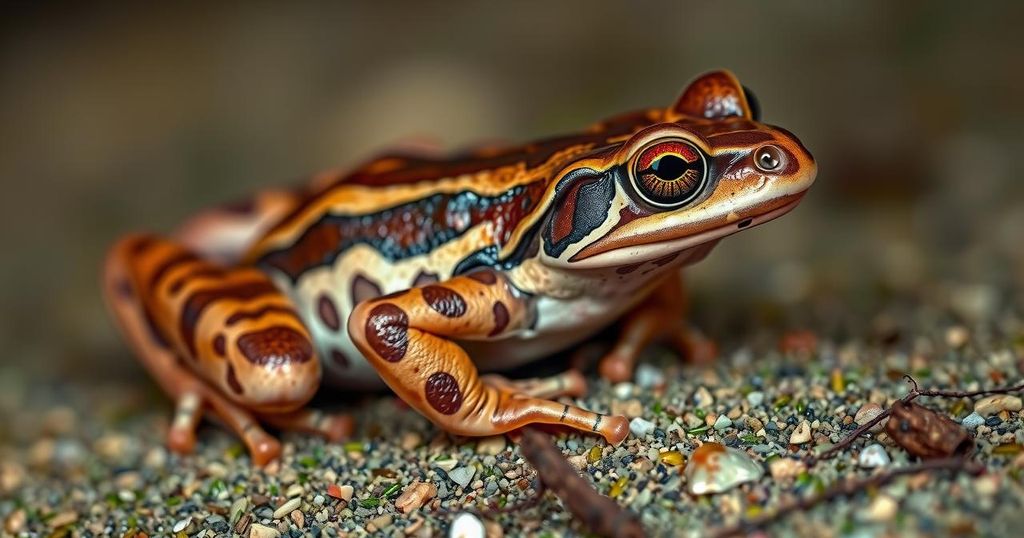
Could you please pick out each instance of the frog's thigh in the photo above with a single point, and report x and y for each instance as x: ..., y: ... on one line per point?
x: 661, y: 314
x: 408, y: 337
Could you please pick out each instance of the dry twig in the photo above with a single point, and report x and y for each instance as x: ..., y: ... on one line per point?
x: 598, y: 513
x: 848, y: 487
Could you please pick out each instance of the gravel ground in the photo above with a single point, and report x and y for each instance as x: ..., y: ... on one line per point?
x: 93, y: 464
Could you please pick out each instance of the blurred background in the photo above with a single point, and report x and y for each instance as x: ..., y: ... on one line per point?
x: 119, y: 118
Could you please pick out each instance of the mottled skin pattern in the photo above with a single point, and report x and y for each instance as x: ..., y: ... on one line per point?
x: 416, y: 271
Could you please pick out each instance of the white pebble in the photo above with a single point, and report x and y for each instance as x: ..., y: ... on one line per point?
x: 287, y: 507
x: 648, y: 376
x: 640, y: 427
x: 462, y: 475
x: 623, y: 390
x: 184, y: 525
x: 873, y: 456
x: 262, y: 531
x: 466, y: 525
x: 702, y: 398
x: 755, y: 399
x: 991, y: 405
x: 722, y: 422
x: 883, y: 508
x: 972, y: 421
x: 801, y: 434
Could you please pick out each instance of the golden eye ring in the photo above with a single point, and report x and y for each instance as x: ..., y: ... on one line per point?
x: 669, y: 173
x: 768, y: 158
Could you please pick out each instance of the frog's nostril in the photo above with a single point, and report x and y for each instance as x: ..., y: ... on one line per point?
x: 744, y: 223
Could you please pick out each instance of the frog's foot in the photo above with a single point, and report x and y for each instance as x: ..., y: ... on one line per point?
x: 409, y: 338
x: 223, y: 233
x: 333, y: 427
x: 660, y: 316
x: 567, y: 383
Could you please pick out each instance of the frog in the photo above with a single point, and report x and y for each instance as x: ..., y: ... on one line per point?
x: 417, y: 271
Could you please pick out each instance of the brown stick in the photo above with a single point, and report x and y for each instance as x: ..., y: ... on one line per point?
x: 599, y: 514
x: 914, y: 393
x: 848, y: 487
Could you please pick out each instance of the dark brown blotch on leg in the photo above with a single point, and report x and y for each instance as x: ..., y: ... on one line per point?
x: 444, y: 301
x: 442, y: 391
x: 219, y: 345
x: 233, y: 380
x: 500, y: 318
x: 328, y: 312
x: 387, y: 331
x: 339, y: 358
x: 275, y: 346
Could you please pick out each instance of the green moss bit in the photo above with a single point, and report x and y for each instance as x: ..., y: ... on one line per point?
x: 782, y: 401
x: 750, y: 439
x: 308, y: 462
x: 234, y: 451
x: 657, y: 408
x: 698, y: 430
x: 392, y: 489
x: 353, y: 446
x: 701, y: 414
x: 372, y: 502
x: 216, y: 487
x: 838, y: 383
x: 594, y: 455
x: 801, y: 406
x: 173, y: 501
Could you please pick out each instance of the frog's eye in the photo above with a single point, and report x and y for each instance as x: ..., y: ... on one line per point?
x: 670, y: 174
x: 768, y: 158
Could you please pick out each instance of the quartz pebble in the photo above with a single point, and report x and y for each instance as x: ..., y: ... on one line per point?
x: 881, y: 509
x: 972, y: 421
x: 466, y: 525
x: 287, y: 507
x: 872, y: 456
x: 640, y: 427
x: 702, y: 398
x: 722, y: 422
x: 714, y: 468
x: 991, y: 405
x: 648, y: 376
x: 785, y: 468
x: 801, y: 434
x: 462, y: 475
x: 755, y: 398
x: 262, y: 531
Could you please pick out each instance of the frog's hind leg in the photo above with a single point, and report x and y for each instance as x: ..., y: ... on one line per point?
x: 661, y: 315
x: 409, y: 338
x: 216, y: 339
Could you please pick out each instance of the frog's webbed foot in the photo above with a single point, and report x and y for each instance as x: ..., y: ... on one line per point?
x: 661, y: 315
x: 408, y: 337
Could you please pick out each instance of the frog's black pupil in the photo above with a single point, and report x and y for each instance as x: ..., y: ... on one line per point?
x: 668, y: 167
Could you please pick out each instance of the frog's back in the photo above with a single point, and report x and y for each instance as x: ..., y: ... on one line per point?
x: 400, y: 221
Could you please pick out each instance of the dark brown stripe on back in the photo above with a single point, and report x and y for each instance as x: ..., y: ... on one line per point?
x: 198, y: 301
x: 168, y: 264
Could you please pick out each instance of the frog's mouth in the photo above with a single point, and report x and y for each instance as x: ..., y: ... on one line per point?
x: 639, y: 248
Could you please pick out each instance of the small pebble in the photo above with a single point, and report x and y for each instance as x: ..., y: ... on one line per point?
x: 972, y: 421
x: 801, y: 434
x: 185, y: 526
x: 648, y: 376
x: 466, y: 525
x: 867, y: 413
x: 492, y: 445
x: 262, y: 531
x: 957, y: 336
x: 991, y: 405
x: 702, y: 398
x: 287, y: 507
x: 414, y: 496
x: 640, y: 427
x: 881, y: 509
x: 755, y: 398
x: 722, y: 422
x: 714, y: 468
x: 785, y: 468
x: 462, y: 475
x: 873, y: 455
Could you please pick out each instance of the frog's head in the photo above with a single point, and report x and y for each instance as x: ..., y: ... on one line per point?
x: 705, y: 168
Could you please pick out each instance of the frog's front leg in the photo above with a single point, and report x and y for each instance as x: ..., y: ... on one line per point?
x: 217, y: 339
x: 661, y: 315
x: 409, y: 337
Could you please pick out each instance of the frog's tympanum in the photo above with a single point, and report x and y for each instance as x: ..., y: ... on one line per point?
x: 418, y: 270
